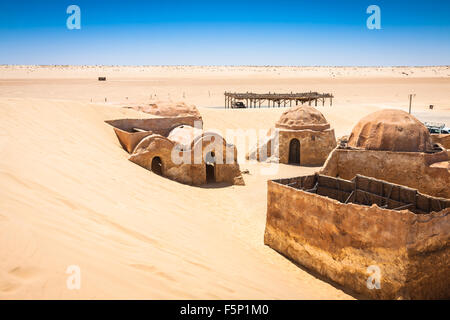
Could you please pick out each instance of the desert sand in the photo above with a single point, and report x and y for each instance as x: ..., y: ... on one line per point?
x: 69, y: 196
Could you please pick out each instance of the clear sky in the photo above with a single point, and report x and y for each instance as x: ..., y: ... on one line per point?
x: 231, y: 32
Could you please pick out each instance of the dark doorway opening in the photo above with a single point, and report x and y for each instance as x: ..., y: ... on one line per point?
x: 210, y: 167
x: 157, y: 165
x: 294, y: 151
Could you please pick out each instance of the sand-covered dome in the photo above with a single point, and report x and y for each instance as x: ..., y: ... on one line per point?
x: 184, y: 135
x: 169, y: 109
x: 391, y: 130
x: 302, y: 117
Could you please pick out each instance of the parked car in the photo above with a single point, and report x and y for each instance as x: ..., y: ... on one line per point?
x: 437, y: 128
x: 238, y: 105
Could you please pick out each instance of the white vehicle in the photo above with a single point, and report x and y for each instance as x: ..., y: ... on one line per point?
x: 438, y: 128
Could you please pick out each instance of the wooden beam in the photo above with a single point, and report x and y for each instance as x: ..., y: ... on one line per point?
x: 140, y: 130
x: 406, y: 206
x: 313, y: 189
x: 349, y: 197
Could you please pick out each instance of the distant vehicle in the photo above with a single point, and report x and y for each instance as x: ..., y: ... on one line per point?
x: 437, y: 128
x: 238, y: 105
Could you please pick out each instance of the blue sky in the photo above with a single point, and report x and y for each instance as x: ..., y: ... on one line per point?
x: 198, y: 32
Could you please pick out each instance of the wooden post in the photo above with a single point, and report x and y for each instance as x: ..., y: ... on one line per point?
x: 410, y: 102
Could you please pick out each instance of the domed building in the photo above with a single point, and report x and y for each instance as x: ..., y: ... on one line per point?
x: 382, y: 199
x: 391, y: 130
x: 301, y: 118
x: 301, y: 136
x: 394, y: 146
x: 178, y: 148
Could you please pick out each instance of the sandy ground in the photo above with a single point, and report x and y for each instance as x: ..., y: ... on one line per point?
x: 68, y: 195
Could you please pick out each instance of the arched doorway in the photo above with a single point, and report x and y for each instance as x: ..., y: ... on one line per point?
x: 157, y: 165
x: 294, y: 151
x: 210, y: 162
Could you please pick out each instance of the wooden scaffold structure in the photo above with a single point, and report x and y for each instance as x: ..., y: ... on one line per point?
x: 255, y: 100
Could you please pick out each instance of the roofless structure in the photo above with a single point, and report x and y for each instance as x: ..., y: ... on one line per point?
x: 255, y: 100
x: 346, y: 229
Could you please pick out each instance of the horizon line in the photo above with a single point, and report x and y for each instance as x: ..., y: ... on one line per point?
x: 224, y: 65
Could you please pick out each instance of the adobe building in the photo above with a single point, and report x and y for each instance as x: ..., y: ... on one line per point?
x: 179, y: 149
x: 442, y: 139
x: 394, y: 146
x: 301, y: 136
x: 346, y: 229
x: 381, y: 202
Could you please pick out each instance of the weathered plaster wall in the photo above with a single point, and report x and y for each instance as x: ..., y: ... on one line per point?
x: 129, y: 138
x: 190, y: 171
x: 443, y: 139
x: 339, y: 241
x: 412, y: 169
x: 315, y: 146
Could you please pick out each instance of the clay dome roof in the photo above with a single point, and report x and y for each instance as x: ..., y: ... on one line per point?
x: 391, y: 130
x: 302, y: 117
x: 169, y: 109
x: 184, y: 135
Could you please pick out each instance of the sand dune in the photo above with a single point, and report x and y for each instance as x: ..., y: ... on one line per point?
x: 68, y: 195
